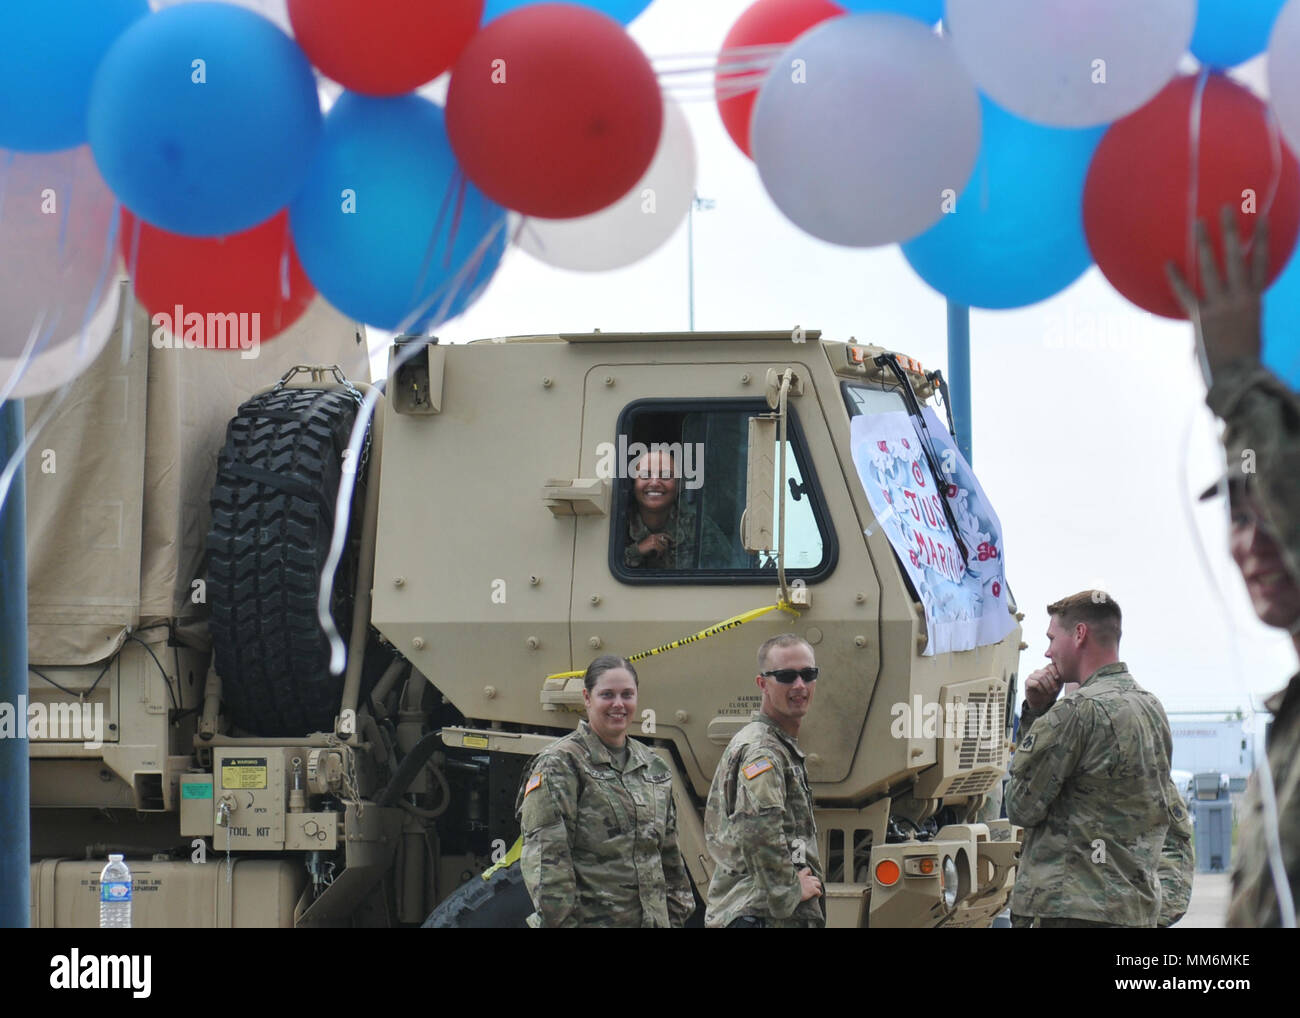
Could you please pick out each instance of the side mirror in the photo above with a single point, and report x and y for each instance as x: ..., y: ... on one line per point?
x: 756, y: 525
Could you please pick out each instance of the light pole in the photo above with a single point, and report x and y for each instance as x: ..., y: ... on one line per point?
x: 704, y: 205
x: 15, y: 837
x: 959, y: 377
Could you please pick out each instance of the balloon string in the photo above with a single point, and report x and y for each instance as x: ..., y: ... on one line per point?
x: 461, y: 182
x: 348, y: 481
x: 1275, y: 162
x: 69, y: 170
x: 729, y: 53
x: 434, y: 234
x: 1193, y: 200
x: 37, y: 337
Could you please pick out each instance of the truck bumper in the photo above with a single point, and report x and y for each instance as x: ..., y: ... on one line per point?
x: 962, y: 877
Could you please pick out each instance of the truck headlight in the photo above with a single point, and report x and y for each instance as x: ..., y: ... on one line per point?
x: 949, y: 883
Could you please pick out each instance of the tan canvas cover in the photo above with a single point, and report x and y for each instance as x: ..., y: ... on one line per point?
x: 118, y: 480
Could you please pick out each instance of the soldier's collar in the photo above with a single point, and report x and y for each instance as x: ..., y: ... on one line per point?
x: 782, y: 734
x: 602, y: 754
x: 1106, y: 671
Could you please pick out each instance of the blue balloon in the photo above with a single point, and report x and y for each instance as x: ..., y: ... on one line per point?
x: 1282, y: 323
x: 387, y: 226
x: 49, y: 50
x: 1230, y: 32
x: 928, y: 11
x: 203, y: 119
x: 1016, y: 235
x: 622, y: 11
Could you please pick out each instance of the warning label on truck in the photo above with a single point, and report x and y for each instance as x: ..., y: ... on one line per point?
x: 244, y: 772
x: 742, y: 706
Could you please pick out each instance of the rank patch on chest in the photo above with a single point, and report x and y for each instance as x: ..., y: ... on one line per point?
x: 1027, y: 742
x: 751, y: 771
x: 534, y: 783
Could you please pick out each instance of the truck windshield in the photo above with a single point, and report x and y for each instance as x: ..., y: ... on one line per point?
x: 865, y: 399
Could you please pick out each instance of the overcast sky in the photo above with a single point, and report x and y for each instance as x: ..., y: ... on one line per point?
x: 1090, y: 432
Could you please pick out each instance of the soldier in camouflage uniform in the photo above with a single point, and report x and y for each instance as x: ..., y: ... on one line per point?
x: 1263, y: 444
x: 1089, y: 780
x: 1177, y: 861
x: 759, y: 820
x: 661, y: 527
x: 598, y: 820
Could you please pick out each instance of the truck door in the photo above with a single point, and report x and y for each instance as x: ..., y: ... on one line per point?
x: 695, y: 416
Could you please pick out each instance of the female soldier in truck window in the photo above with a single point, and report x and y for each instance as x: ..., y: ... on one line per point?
x: 661, y: 525
x: 598, y: 821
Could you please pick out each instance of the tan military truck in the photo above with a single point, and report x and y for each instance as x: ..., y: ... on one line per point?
x: 484, y: 566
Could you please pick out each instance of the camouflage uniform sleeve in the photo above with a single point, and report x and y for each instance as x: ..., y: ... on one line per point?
x: 1045, y: 758
x: 1177, y: 861
x: 632, y: 557
x: 760, y: 820
x: 681, y: 899
x: 547, y: 805
x: 1263, y: 434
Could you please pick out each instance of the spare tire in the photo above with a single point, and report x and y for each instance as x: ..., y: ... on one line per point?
x: 272, y: 520
x: 499, y: 902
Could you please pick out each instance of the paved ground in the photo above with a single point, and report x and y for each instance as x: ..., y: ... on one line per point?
x: 1209, y: 905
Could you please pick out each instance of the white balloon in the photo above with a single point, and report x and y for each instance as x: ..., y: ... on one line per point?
x: 273, y: 10
x: 1071, y: 63
x: 863, y: 126
x: 636, y: 224
x: 59, y: 268
x: 1284, y: 72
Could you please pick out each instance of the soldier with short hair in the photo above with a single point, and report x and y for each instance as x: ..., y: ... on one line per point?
x: 759, y: 822
x: 1089, y: 781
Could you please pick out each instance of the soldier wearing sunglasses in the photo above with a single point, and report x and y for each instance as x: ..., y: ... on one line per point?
x: 759, y: 820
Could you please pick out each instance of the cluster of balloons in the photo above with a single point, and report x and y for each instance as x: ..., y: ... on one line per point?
x: 202, y: 122
x: 1027, y: 140
x: 1006, y: 153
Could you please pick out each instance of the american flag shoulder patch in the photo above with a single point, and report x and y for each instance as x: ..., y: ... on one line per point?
x: 751, y: 771
x: 534, y: 783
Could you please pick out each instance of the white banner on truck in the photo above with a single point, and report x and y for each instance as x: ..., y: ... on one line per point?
x: 965, y: 603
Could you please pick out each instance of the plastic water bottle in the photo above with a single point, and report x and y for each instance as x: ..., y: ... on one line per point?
x: 115, y: 895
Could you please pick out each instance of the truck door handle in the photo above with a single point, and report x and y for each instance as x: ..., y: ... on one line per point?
x: 582, y: 496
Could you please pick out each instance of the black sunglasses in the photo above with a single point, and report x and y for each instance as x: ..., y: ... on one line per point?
x: 788, y: 675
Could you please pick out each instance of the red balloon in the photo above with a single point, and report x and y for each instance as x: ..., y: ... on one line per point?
x: 1135, y: 200
x: 384, y: 47
x: 239, y: 274
x: 554, y: 111
x: 766, y: 23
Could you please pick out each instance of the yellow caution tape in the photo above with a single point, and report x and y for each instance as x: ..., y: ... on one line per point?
x: 508, y: 860
x: 703, y: 634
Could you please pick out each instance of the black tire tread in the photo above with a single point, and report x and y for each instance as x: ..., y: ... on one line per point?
x: 272, y: 518
x: 499, y: 902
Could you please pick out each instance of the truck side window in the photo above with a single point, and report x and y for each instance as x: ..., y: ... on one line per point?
x: 681, y: 493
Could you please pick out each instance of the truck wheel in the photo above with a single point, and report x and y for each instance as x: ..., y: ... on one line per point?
x: 272, y: 518
x: 499, y: 902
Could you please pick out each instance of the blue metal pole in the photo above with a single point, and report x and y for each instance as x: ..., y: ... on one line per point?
x: 959, y: 375
x: 15, y: 796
